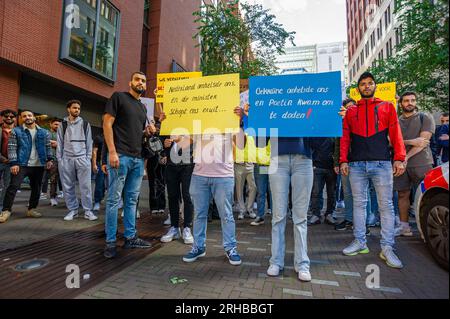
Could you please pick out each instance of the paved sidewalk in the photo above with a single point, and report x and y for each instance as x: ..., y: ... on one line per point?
x: 164, y: 275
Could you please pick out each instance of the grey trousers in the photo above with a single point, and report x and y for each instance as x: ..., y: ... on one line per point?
x: 71, y: 169
x: 242, y: 173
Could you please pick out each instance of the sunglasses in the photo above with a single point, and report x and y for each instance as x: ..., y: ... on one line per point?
x: 9, y: 116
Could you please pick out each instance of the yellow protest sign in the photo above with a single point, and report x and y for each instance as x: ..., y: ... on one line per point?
x: 385, y: 92
x: 201, y: 106
x: 163, y: 78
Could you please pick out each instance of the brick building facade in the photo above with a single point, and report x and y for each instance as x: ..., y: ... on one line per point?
x: 44, y: 63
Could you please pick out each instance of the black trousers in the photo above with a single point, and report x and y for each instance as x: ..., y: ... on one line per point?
x: 323, y: 177
x: 35, y: 175
x: 156, y: 184
x: 177, y: 175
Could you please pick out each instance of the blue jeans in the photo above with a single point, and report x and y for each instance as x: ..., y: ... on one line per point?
x: 222, y: 190
x: 99, y: 191
x: 286, y: 170
x: 380, y: 173
x: 263, y: 187
x: 127, y: 178
x: 348, y: 201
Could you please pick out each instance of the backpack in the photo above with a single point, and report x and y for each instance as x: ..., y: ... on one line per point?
x: 85, y: 126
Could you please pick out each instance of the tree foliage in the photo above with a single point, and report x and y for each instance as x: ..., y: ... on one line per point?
x: 421, y: 61
x: 239, y: 38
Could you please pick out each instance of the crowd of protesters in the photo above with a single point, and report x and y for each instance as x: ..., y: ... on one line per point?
x: 371, y: 172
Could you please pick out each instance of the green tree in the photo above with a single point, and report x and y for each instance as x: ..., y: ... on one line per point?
x: 239, y: 38
x: 421, y: 61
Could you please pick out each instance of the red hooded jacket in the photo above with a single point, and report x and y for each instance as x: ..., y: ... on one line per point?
x: 367, y: 126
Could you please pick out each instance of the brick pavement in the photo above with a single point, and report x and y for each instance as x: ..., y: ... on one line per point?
x: 334, y: 275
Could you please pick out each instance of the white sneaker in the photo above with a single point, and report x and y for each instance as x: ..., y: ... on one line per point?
x: 355, y: 248
x: 53, y: 202
x: 314, y: 220
x: 173, y: 233
x: 60, y: 195
x: 90, y: 215
x: 187, y: 236
x: 241, y: 216
x: 71, y: 215
x: 273, y: 271
x: 161, y: 211
x: 304, y: 276
x: 403, y: 231
x: 391, y: 259
x: 43, y: 196
x: 252, y: 215
x: 329, y: 219
x: 154, y: 211
x: 168, y: 222
x: 269, y: 212
x: 96, y: 207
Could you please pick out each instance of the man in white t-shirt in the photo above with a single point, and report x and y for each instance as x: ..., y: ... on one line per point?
x: 214, y: 176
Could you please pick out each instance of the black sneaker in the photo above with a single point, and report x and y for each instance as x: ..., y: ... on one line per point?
x: 344, y: 225
x: 110, y: 251
x: 136, y: 243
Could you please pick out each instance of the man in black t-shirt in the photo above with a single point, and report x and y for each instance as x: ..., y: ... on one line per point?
x: 124, y: 126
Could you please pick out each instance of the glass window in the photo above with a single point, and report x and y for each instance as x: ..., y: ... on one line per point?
x: 89, y: 38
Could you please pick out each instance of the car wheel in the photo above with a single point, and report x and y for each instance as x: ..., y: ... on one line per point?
x: 436, y: 230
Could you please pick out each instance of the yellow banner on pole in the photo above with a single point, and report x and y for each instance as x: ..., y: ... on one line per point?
x: 201, y: 106
x: 385, y: 91
x: 163, y: 78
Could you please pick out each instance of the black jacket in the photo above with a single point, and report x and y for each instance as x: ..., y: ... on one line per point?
x: 323, y: 150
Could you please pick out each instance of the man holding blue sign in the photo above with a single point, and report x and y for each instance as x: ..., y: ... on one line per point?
x: 298, y: 107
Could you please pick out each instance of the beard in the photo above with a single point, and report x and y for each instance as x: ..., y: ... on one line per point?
x: 408, y: 109
x: 29, y: 122
x: 367, y: 96
x: 138, y: 90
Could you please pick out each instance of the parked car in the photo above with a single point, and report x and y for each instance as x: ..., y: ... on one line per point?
x: 431, y: 204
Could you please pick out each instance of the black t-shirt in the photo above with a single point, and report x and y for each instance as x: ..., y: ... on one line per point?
x: 130, y: 117
x: 98, y: 143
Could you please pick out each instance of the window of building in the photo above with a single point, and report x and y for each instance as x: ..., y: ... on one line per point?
x: 330, y: 63
x: 146, y: 12
x: 385, y: 19
x: 362, y: 57
x: 89, y: 38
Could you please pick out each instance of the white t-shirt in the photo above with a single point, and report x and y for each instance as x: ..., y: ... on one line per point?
x: 213, y: 155
x: 34, y: 156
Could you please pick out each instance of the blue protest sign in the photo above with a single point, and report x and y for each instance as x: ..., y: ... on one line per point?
x: 301, y: 105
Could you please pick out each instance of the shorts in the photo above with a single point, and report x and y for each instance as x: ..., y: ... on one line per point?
x: 411, y: 178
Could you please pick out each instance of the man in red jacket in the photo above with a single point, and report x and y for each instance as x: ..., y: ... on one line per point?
x: 369, y: 128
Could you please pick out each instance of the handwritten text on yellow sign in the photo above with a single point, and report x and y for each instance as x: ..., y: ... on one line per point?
x: 201, y: 105
x: 163, y: 78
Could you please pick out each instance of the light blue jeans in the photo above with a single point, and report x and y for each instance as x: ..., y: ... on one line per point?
x: 372, y: 207
x: 295, y: 170
x: 127, y: 178
x: 222, y: 190
x: 380, y: 173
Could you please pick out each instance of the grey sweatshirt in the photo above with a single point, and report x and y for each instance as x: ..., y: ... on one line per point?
x: 75, y: 144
